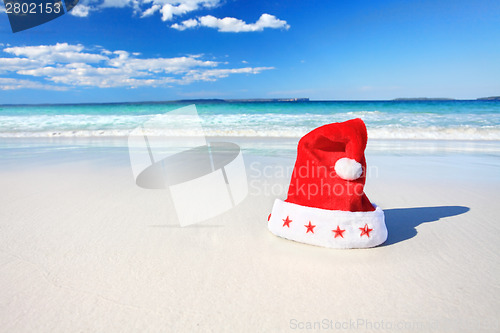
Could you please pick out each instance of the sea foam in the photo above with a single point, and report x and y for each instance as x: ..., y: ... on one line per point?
x: 455, y: 120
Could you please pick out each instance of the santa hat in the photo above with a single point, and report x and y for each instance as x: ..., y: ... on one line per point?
x: 326, y: 203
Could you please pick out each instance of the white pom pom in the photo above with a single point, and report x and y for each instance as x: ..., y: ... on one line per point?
x: 348, y: 169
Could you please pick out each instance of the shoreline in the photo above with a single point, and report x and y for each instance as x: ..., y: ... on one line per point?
x: 272, y: 100
x: 410, y: 146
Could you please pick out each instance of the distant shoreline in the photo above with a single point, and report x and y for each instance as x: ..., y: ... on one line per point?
x: 492, y: 98
x: 265, y: 100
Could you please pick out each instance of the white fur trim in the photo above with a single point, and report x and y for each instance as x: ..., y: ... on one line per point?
x: 325, y: 221
x: 348, y: 169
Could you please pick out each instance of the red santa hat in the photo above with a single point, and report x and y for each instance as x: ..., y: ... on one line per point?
x: 326, y: 203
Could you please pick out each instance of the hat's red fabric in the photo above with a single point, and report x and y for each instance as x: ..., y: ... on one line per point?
x: 323, y: 157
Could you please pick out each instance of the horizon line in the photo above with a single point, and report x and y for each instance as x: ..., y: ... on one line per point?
x: 266, y: 100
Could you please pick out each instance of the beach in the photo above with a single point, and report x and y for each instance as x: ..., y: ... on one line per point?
x: 83, y: 248
x: 186, y: 166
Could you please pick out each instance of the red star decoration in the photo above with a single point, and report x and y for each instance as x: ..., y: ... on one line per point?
x: 338, y: 232
x: 365, y: 231
x: 287, y: 222
x: 309, y: 227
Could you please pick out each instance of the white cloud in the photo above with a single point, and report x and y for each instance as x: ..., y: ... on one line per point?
x: 81, y: 10
x: 150, y: 11
x: 188, y: 24
x: 172, y: 9
x: 13, y: 84
x: 60, y: 52
x: 36, y: 51
x: 69, y: 65
x: 15, y: 64
x: 231, y: 24
x: 103, y: 77
x: 169, y: 9
x: 214, y: 74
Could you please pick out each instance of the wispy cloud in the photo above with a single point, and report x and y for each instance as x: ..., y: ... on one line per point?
x: 58, y: 53
x: 70, y: 65
x: 231, y: 24
x: 12, y: 84
x: 170, y: 10
x: 81, y: 10
x: 178, y: 8
x: 214, y: 74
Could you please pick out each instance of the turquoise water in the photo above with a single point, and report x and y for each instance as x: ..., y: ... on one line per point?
x: 435, y: 120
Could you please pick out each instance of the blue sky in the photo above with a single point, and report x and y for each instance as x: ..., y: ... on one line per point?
x: 136, y: 50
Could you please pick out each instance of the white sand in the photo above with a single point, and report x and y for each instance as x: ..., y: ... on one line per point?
x: 82, y: 249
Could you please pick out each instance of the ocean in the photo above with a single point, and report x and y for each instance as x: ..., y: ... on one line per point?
x: 462, y: 125
x: 434, y: 120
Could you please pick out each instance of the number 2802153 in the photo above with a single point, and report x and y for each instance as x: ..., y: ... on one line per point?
x: 32, y: 8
